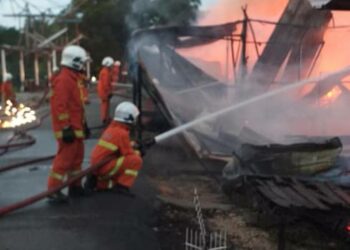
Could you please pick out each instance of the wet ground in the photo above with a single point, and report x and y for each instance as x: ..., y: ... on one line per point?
x: 110, y: 221
x: 102, y: 221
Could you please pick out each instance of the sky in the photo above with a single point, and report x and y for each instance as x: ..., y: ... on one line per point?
x: 37, y: 6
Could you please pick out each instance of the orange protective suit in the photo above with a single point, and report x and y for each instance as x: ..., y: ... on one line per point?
x: 85, y: 91
x: 67, y: 109
x: 104, y: 90
x: 115, y: 73
x: 7, y: 92
x: 124, y: 169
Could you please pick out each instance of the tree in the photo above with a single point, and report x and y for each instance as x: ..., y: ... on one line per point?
x: 147, y: 13
x: 109, y: 23
x: 10, y: 36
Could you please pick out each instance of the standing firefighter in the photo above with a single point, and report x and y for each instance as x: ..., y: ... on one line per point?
x: 67, y: 111
x: 119, y: 174
x: 104, y: 88
x: 116, y: 72
x: 7, y: 90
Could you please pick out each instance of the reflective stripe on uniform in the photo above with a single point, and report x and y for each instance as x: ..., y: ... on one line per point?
x: 78, y: 134
x: 117, y: 166
x: 131, y: 172
x: 74, y: 173
x: 107, y: 145
x: 56, y: 176
x: 63, y: 116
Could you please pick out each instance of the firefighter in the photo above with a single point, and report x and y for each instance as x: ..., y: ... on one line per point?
x: 104, y: 88
x: 7, y: 90
x: 119, y: 174
x: 67, y: 111
x: 116, y: 71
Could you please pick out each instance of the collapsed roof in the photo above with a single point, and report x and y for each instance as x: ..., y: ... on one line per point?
x: 331, y: 4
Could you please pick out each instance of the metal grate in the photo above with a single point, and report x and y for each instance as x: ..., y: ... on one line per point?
x: 201, y: 240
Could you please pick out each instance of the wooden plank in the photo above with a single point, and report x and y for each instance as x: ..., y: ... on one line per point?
x: 276, y: 193
x: 308, y: 194
x: 297, y: 197
x: 272, y: 197
x: 342, y: 194
x: 330, y: 195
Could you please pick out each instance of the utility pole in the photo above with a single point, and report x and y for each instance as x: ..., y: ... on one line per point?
x: 3, y: 71
x: 243, y: 66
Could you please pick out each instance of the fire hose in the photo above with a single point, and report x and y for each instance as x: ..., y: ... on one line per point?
x: 13, y: 207
x: 26, y: 163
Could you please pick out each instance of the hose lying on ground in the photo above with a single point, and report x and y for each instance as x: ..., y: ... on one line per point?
x: 25, y: 163
x: 30, y: 140
x: 13, y: 207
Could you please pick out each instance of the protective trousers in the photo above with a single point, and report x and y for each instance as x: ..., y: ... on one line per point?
x: 67, y: 162
x: 122, y: 171
x: 104, y: 110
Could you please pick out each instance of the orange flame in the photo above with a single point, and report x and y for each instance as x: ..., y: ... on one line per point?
x: 330, y: 97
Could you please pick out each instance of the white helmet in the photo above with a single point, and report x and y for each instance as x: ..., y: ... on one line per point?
x: 107, y: 61
x: 8, y: 76
x: 126, y: 112
x: 117, y: 63
x: 74, y: 57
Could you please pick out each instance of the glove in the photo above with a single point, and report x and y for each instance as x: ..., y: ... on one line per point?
x: 144, y: 146
x: 149, y: 143
x: 68, y: 135
x: 87, y: 131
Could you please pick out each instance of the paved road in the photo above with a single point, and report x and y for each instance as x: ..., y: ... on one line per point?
x: 102, y: 221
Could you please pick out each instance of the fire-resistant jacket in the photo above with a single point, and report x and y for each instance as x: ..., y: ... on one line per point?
x: 85, y: 91
x: 104, y: 86
x: 114, y: 139
x: 7, y: 92
x: 115, y: 73
x: 67, y: 104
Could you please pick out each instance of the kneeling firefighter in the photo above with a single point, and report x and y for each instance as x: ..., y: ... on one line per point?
x: 118, y: 174
x: 67, y: 111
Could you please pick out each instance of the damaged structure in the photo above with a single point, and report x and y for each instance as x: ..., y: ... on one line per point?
x: 300, y: 172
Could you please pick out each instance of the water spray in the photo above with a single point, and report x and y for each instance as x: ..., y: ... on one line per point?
x: 291, y: 86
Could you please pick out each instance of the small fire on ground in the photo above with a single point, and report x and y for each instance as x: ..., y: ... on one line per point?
x: 14, y: 116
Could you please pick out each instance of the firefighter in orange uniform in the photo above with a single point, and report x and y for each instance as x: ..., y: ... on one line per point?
x: 67, y: 112
x: 84, y: 85
x: 104, y: 88
x: 116, y: 72
x: 7, y: 90
x: 118, y: 174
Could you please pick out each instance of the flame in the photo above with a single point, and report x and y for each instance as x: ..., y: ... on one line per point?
x: 334, y: 55
x: 330, y: 97
x: 219, y: 53
x: 16, y: 116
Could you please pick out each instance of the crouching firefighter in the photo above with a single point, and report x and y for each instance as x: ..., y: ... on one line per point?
x: 67, y: 111
x: 119, y: 174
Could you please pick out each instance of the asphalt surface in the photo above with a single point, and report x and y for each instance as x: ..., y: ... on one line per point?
x: 101, y: 221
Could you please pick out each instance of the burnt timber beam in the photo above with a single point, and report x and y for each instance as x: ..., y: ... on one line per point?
x: 283, y: 39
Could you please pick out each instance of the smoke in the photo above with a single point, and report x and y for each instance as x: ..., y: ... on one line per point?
x: 282, y: 119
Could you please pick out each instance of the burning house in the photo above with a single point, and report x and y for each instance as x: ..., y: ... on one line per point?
x: 296, y: 133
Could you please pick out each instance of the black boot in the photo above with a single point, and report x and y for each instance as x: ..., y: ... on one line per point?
x: 76, y: 191
x: 57, y: 198
x: 90, y: 184
x: 120, y: 189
